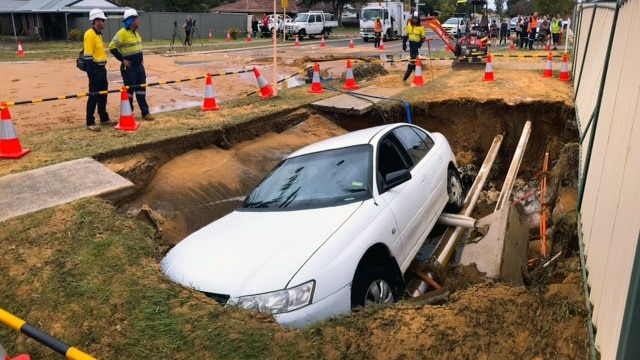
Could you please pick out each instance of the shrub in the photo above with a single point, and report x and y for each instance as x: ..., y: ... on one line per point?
x: 234, y: 33
x: 75, y: 34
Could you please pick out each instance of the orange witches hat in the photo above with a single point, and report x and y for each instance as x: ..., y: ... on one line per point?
x: 10, y: 147
x: 209, y: 102
x: 127, y: 120
x: 418, y: 80
x: 548, y: 69
x: 265, y: 89
x: 349, y: 81
x: 564, y: 69
x: 488, y: 72
x: 316, y: 87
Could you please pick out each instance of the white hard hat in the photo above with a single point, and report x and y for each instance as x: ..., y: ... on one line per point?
x: 130, y: 12
x: 96, y: 14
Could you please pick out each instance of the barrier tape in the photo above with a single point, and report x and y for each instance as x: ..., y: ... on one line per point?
x: 105, y: 92
x: 280, y: 81
x: 42, y: 337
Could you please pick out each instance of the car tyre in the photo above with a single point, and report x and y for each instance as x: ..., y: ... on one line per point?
x: 455, y: 192
x: 373, y: 284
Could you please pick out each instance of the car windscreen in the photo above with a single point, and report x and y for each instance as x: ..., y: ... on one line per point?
x: 301, y: 18
x: 370, y: 14
x: 326, y: 178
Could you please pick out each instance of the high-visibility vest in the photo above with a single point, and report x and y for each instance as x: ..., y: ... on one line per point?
x: 555, y: 27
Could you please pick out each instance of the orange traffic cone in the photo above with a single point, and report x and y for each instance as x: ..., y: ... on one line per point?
x: 548, y: 69
x: 316, y: 87
x: 228, y: 36
x: 265, y: 89
x: 548, y: 46
x: 418, y: 80
x: 20, y: 51
x: 349, y: 80
x: 10, y: 147
x: 488, y: 71
x: 248, y: 37
x: 351, y: 45
x: 209, y: 96
x: 322, y: 44
x: 512, y: 46
x: 127, y: 120
x: 381, y: 46
x: 210, y: 35
x: 564, y: 69
x: 297, y: 43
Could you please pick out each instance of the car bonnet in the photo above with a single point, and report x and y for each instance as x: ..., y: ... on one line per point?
x: 249, y: 252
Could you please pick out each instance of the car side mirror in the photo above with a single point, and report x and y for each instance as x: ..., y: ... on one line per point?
x: 396, y: 178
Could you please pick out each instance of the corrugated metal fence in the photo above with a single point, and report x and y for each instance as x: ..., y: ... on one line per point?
x: 607, y: 97
x: 158, y: 26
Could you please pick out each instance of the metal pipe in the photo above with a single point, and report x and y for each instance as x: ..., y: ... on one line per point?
x: 449, y: 241
x: 457, y: 220
x: 507, y: 186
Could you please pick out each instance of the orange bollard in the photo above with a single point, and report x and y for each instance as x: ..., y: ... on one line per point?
x: 349, y: 80
x: 322, y: 44
x: 418, y: 80
x: 10, y: 147
x: 381, y: 46
x: 316, y: 86
x: 248, y: 37
x: 351, y: 45
x: 127, y: 120
x: 265, y: 89
x: 209, y: 102
x: 548, y: 69
x: 210, y: 35
x: 20, y: 50
x: 564, y: 69
x: 488, y: 72
x: 228, y: 36
x: 297, y: 43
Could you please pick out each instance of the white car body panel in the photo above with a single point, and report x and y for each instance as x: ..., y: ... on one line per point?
x: 257, y: 251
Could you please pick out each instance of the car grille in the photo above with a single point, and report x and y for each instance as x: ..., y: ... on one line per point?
x: 220, y: 298
x: 367, y: 29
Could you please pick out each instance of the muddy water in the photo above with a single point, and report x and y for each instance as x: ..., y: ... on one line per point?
x: 201, y: 186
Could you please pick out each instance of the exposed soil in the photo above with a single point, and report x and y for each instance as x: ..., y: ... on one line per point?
x: 481, y: 320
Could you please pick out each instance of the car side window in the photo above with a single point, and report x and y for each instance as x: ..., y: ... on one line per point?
x: 391, y: 158
x: 417, y: 143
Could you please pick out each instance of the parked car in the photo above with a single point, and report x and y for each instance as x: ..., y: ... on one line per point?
x: 334, y: 226
x: 455, y: 26
x: 512, y: 24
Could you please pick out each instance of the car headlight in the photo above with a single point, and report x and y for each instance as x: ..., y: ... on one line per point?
x: 278, y: 301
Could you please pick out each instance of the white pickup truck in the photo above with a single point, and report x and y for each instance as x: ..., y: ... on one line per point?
x: 310, y: 24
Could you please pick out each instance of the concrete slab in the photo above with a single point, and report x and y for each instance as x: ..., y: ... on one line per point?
x: 348, y: 104
x: 37, y: 189
x: 503, y: 251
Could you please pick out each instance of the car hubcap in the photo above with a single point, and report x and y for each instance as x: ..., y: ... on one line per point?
x: 455, y: 190
x: 379, y: 292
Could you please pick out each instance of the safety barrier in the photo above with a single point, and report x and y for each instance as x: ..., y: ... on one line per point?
x: 42, y: 337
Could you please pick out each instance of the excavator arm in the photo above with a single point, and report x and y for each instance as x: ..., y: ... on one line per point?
x: 433, y: 23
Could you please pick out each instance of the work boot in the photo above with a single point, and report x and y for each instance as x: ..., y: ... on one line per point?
x: 94, y: 128
x: 148, y: 117
x: 109, y: 123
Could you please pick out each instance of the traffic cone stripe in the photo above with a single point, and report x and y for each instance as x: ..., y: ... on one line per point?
x: 418, y: 80
x: 265, y: 89
x: 488, y: 72
x: 316, y: 87
x: 548, y: 69
x: 127, y: 120
x: 10, y: 147
x: 209, y: 96
x: 350, y: 81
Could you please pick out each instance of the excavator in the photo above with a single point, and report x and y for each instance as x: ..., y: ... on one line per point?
x: 470, y: 48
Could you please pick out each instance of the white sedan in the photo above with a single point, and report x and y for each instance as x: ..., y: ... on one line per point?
x: 334, y: 226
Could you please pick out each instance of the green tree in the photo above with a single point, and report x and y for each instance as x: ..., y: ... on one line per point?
x: 499, y: 6
x: 553, y: 7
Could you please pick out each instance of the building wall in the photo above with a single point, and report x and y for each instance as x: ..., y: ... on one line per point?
x: 607, y: 96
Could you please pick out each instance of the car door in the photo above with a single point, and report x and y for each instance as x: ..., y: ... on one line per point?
x: 315, y: 24
x: 406, y: 201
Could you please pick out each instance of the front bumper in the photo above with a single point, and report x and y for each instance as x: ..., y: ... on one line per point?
x: 333, y: 305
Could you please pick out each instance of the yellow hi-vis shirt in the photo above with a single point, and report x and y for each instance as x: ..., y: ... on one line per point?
x: 415, y: 33
x: 128, y: 43
x: 94, y: 47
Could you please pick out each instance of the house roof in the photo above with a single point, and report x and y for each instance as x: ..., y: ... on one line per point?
x: 58, y: 6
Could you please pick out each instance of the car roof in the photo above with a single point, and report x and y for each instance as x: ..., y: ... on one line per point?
x: 359, y: 137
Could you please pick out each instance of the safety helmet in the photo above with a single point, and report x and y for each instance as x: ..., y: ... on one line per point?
x: 129, y: 13
x: 96, y: 14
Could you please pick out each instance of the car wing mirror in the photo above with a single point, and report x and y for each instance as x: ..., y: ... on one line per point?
x: 396, y: 178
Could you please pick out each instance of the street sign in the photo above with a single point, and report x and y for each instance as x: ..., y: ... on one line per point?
x: 285, y: 3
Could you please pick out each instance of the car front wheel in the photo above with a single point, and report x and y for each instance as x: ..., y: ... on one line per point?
x: 373, y: 284
x: 455, y: 192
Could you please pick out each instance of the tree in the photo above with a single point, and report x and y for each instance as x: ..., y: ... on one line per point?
x: 499, y: 6
x: 553, y: 7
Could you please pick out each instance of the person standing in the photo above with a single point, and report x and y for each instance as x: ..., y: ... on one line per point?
x: 126, y: 46
x: 188, y: 27
x: 415, y: 35
x: 533, y: 29
x: 254, y: 26
x: 95, y: 58
x: 377, y: 32
x: 504, y: 32
x: 556, y: 25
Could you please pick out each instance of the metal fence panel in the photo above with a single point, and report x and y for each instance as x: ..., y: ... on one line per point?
x: 610, y: 212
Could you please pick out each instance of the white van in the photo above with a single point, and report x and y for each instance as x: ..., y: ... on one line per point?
x: 455, y: 26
